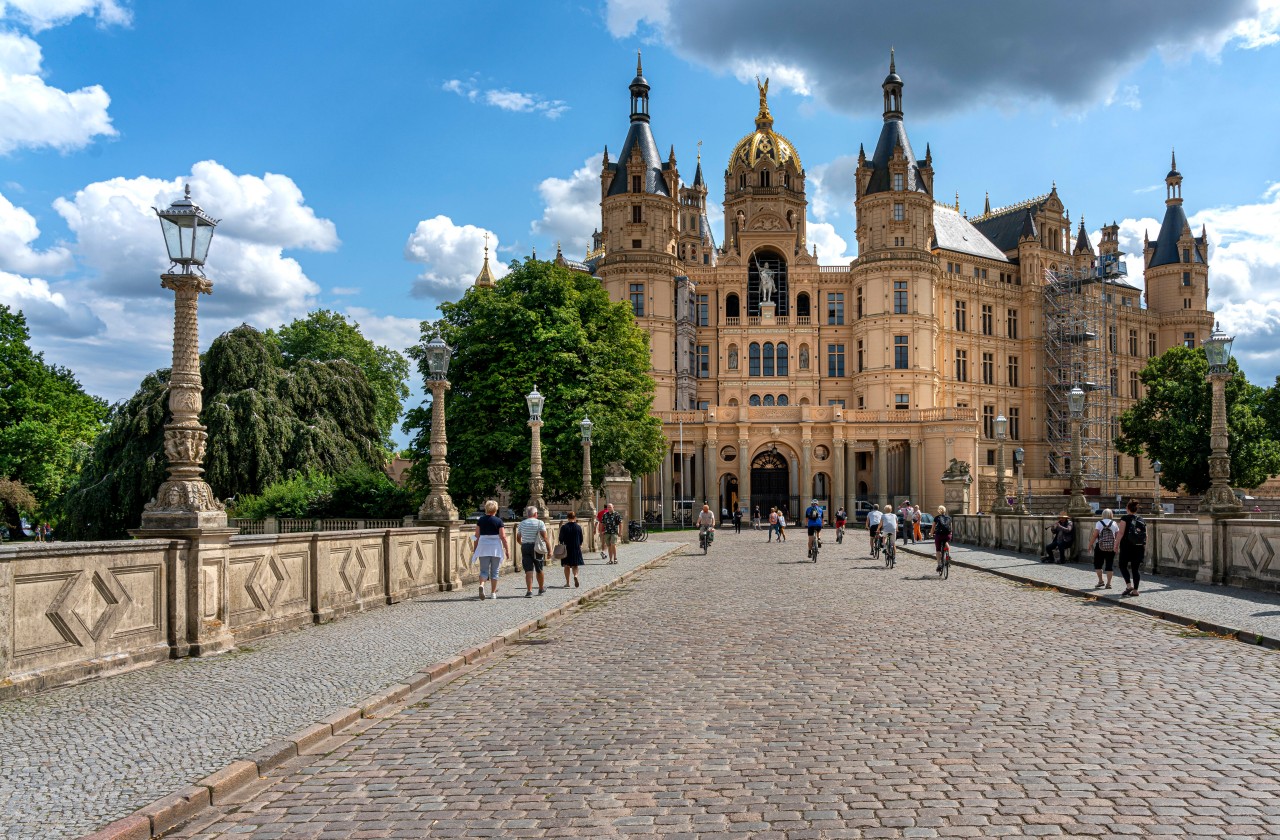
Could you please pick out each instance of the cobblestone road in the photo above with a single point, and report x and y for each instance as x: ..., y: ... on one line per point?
x: 75, y: 758
x: 747, y: 695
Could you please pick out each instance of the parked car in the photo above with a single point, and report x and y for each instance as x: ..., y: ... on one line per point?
x: 926, y: 525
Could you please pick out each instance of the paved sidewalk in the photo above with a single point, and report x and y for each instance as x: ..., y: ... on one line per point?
x: 753, y: 695
x: 1224, y: 606
x: 75, y: 758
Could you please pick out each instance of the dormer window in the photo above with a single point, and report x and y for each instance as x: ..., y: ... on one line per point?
x: 898, y: 181
x: 637, y: 184
x: 764, y: 178
x: 786, y: 180
x: 742, y: 181
x: 1186, y: 255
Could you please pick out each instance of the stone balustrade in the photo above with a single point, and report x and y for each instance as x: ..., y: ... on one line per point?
x: 71, y: 611
x: 1235, y: 551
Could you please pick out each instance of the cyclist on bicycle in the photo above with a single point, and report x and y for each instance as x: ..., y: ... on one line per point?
x: 813, y: 520
x: 706, y: 521
x: 873, y: 527
x: 841, y: 519
x: 889, y: 525
x: 941, y: 534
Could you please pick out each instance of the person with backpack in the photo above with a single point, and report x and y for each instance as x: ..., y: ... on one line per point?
x: 941, y: 533
x: 1133, y: 548
x: 1103, y: 544
x: 813, y: 521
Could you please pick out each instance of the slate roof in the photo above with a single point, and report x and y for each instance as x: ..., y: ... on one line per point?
x: 1166, y: 244
x: 953, y: 232
x: 639, y: 137
x: 1004, y: 227
x: 893, y: 134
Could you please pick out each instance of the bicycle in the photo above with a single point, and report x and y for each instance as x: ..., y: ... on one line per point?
x: 813, y: 550
x: 944, y: 568
x: 890, y: 553
x: 839, y: 535
x: 705, y: 539
x: 877, y: 547
x: 636, y: 531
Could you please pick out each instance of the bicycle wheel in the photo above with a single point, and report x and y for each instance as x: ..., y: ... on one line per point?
x: 946, y: 565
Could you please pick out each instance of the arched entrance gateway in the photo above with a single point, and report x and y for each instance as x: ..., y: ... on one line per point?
x: 771, y: 483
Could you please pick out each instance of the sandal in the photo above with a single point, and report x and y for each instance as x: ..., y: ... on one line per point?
x: 1108, y: 586
x: 1099, y: 585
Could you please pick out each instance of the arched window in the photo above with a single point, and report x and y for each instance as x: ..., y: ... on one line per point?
x: 753, y: 360
x: 802, y: 304
x: 782, y: 359
x: 768, y: 399
x: 820, y: 486
x: 742, y: 181
x: 768, y: 358
x: 764, y: 177
x: 755, y: 400
x: 786, y: 180
x: 731, y: 309
x: 733, y: 401
x: 774, y: 265
x: 782, y: 400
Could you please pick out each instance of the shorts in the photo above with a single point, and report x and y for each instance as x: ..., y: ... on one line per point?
x: 490, y: 567
x: 1103, y: 560
x: 814, y: 529
x: 529, y: 559
x: 840, y: 523
x: 610, y: 539
x: 940, y: 542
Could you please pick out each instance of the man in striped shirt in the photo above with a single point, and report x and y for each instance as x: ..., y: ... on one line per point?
x: 532, y: 530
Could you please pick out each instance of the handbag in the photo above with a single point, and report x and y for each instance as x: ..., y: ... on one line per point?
x: 560, y: 552
x: 540, y: 546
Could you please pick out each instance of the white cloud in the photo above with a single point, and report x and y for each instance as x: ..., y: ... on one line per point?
x: 571, y: 208
x: 45, y: 14
x: 832, y: 247
x: 452, y: 255
x: 48, y: 310
x: 788, y: 76
x: 118, y: 238
x: 18, y: 230
x: 1260, y: 31
x: 507, y: 100
x: 388, y: 330
x: 1126, y: 95
x: 834, y: 186
x: 35, y: 115
x: 623, y: 17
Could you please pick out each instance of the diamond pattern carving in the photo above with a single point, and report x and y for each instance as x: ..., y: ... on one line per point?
x: 352, y: 570
x: 88, y: 607
x: 1181, y: 548
x: 1259, y: 552
x: 414, y: 560
x: 266, y: 580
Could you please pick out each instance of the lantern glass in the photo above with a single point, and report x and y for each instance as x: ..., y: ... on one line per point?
x: 1157, y: 467
x: 1002, y: 427
x: 1019, y: 455
x: 1076, y: 400
x: 188, y: 231
x: 1217, y: 349
x: 439, y: 355
x: 535, y: 401
x: 587, y: 426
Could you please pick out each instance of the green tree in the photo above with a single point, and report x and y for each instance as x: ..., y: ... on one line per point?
x: 325, y: 335
x: 546, y: 326
x: 268, y: 419
x: 1171, y: 423
x: 47, y: 421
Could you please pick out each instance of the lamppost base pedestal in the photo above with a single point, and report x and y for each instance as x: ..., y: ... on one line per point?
x: 1079, y: 507
x: 1220, y: 501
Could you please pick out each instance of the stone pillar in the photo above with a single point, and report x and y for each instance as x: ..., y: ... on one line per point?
x: 744, y: 471
x: 587, y: 504
x: 850, y: 479
x: 882, y: 482
x: 688, y: 490
x: 806, y: 470
x: 617, y: 491
x: 668, y: 483
x: 1219, y: 499
x: 438, y: 506
x: 535, y: 470
x: 637, y: 499
x: 710, y: 487
x: 837, y: 476
x: 913, y: 477
x: 955, y: 488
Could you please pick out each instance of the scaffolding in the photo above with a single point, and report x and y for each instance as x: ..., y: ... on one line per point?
x: 1081, y: 348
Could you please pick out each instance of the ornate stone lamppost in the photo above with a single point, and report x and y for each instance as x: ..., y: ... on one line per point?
x: 536, y: 402
x: 438, y: 506
x: 185, y: 501
x: 1019, y: 459
x: 1002, y: 491
x: 587, y: 507
x: 1156, y: 469
x: 1220, y: 498
x: 1078, y: 505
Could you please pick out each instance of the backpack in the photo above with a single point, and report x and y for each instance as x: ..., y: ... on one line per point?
x: 1107, y: 537
x: 942, y: 526
x: 814, y: 513
x: 1135, y: 532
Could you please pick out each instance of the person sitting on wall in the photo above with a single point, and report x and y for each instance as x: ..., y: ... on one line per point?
x: 1064, y: 536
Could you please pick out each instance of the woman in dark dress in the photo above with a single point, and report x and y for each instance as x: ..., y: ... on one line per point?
x: 571, y: 538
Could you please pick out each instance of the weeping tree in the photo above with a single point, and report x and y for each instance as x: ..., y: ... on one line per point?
x: 557, y: 329
x: 268, y: 419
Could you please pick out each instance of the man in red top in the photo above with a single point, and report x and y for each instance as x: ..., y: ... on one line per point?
x: 604, y: 552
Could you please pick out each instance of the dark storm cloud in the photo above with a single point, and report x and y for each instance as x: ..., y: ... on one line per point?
x: 950, y: 54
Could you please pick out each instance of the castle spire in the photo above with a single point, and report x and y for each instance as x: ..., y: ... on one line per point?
x: 892, y: 91
x: 986, y: 205
x: 485, y: 278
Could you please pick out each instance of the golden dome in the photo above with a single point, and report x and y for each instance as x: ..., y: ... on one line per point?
x: 764, y: 143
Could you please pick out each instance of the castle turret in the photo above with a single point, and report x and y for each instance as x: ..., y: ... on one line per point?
x: 1177, y: 272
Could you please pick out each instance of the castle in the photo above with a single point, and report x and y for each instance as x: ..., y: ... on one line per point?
x: 780, y: 379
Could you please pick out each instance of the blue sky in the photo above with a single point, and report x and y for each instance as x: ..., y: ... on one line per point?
x: 358, y: 157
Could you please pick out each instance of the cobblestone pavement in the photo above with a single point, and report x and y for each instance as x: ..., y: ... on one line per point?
x: 1225, y: 606
x: 749, y: 695
x: 75, y: 758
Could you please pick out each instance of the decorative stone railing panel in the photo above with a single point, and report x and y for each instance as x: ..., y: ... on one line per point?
x: 269, y: 583
x: 1252, y: 553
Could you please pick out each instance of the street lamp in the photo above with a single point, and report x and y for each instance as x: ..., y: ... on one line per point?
x: 587, y: 507
x: 1156, y: 509
x: 184, y: 500
x: 1220, y: 498
x: 438, y: 506
x: 535, y: 402
x: 1002, y: 429
x: 1077, y: 506
x: 1019, y: 459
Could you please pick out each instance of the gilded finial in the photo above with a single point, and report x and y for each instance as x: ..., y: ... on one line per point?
x: 957, y: 201
x: 1173, y: 159
x: 699, y: 151
x: 892, y: 69
x: 763, y: 119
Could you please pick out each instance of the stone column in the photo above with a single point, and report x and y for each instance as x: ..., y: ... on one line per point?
x: 837, y: 476
x: 617, y: 490
x: 913, y: 477
x: 710, y: 486
x: 1219, y: 499
x: 668, y: 484
x: 688, y: 490
x: 806, y: 471
x: 438, y: 506
x: 850, y: 479
x: 882, y: 483
x: 587, y: 504
x: 744, y: 471
x: 535, y: 470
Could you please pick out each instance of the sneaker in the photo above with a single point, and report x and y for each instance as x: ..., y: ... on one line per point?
x: 529, y: 593
x: 541, y: 591
x: 575, y: 583
x: 482, y: 592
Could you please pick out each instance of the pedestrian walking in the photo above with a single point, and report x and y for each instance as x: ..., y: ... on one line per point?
x: 773, y: 524
x: 915, y: 522
x: 755, y: 519
x: 491, y: 548
x: 533, y: 550
x: 1133, y: 548
x: 599, y: 526
x: 1063, y: 538
x: 612, y: 522
x: 1103, y: 545
x: 737, y: 520
x: 782, y: 526
x: 570, y: 537
x: 904, y: 521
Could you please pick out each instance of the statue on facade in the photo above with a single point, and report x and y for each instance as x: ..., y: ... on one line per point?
x: 767, y: 283
x: 733, y: 359
x: 804, y: 357
x: 957, y: 469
